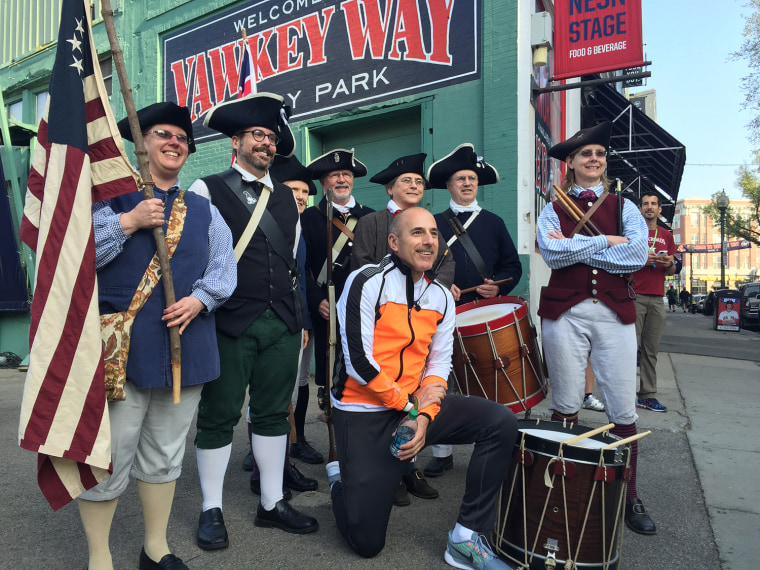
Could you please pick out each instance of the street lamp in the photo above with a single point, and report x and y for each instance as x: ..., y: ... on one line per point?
x: 691, y: 267
x: 722, y: 203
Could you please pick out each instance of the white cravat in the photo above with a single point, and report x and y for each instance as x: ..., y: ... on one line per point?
x: 344, y: 208
x: 459, y: 209
x: 393, y: 207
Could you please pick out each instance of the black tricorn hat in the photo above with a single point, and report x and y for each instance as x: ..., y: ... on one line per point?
x: 599, y: 134
x: 161, y: 113
x: 337, y: 159
x: 255, y: 110
x: 412, y: 163
x: 290, y: 168
x: 462, y: 157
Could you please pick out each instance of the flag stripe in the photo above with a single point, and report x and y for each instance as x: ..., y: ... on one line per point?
x: 79, y: 158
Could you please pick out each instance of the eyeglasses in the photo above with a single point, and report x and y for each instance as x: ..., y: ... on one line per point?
x: 468, y: 178
x: 588, y: 153
x: 408, y: 181
x: 167, y: 136
x: 259, y: 136
x: 344, y: 173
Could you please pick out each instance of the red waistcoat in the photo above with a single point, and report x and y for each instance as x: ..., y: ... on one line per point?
x: 571, y: 285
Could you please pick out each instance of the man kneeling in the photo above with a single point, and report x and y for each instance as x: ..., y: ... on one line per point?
x: 397, y: 327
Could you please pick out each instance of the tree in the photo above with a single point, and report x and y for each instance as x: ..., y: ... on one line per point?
x: 750, y: 52
x: 739, y: 226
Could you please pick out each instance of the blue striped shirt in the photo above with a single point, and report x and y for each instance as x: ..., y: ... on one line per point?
x: 595, y: 251
x: 220, y: 277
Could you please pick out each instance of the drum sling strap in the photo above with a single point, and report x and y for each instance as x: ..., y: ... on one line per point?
x: 272, y: 232
x: 460, y: 233
x: 346, y: 233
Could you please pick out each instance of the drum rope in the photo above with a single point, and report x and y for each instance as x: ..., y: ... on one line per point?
x: 521, y: 340
x: 497, y: 358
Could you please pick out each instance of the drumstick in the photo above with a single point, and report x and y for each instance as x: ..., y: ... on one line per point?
x: 584, y: 229
x: 627, y: 440
x: 588, y: 434
x: 575, y: 212
x: 471, y: 289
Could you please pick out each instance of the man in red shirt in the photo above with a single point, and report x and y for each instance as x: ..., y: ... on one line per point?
x: 649, y: 284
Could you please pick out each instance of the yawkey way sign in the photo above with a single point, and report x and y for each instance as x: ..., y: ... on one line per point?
x: 323, y: 55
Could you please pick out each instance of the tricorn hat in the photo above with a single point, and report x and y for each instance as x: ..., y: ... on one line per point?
x: 412, y: 163
x: 290, y: 168
x: 255, y: 110
x: 599, y: 134
x: 462, y: 157
x: 337, y: 159
x: 161, y: 113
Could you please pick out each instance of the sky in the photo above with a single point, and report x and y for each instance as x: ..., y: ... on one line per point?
x: 699, y: 99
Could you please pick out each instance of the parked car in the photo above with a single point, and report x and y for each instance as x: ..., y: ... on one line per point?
x: 709, y: 305
x: 750, y: 303
x: 700, y: 300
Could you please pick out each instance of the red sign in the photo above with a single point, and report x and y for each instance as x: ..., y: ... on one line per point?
x: 593, y: 36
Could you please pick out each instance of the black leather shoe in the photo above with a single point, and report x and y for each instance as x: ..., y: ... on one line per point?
x: 286, y: 518
x: 302, y: 450
x: 256, y: 489
x: 438, y: 465
x: 212, y: 533
x: 637, y: 519
x: 247, y: 463
x: 167, y: 562
x: 295, y: 480
x: 417, y: 485
x: 401, y: 499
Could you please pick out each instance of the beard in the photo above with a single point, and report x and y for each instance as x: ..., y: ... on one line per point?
x: 251, y: 158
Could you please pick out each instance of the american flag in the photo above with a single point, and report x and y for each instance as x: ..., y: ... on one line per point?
x: 247, y: 74
x: 79, y: 159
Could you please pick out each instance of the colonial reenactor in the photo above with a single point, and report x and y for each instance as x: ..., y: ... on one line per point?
x: 148, y: 431
x: 259, y: 330
x: 480, y: 245
x: 587, y: 309
x: 335, y: 171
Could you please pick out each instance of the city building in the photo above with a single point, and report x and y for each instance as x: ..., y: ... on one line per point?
x: 701, y: 270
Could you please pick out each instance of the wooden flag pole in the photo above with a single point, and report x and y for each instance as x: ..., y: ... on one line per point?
x: 147, y: 188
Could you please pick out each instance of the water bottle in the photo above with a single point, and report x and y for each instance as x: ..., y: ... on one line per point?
x: 404, y: 432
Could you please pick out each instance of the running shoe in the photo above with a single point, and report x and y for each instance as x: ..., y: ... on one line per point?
x: 651, y: 404
x: 473, y: 554
x: 590, y: 402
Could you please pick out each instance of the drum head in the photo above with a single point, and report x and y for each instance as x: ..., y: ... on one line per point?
x: 480, y: 315
x: 545, y: 438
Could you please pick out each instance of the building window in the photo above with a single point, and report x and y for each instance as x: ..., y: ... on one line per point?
x: 676, y: 222
x: 16, y: 111
x: 716, y: 261
x: 677, y: 238
x: 41, y: 103
x: 694, y: 238
x: 106, y: 68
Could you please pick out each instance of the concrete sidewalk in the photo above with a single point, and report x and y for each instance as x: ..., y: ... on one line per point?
x: 697, y: 477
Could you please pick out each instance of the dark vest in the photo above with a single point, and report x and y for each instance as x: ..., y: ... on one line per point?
x: 263, y: 276
x: 569, y: 286
x: 149, y: 363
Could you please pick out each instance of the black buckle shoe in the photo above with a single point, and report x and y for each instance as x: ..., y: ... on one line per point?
x: 302, y: 450
x: 212, y: 533
x: 418, y: 486
x: 294, y: 479
x: 286, y: 518
x: 401, y: 498
x: 167, y: 562
x: 256, y: 489
x: 438, y: 465
x: 637, y: 519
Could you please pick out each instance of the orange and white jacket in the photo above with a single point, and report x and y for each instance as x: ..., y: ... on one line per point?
x: 396, y: 336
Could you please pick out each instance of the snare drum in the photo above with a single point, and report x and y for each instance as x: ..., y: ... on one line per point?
x: 563, y: 501
x: 496, y: 353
